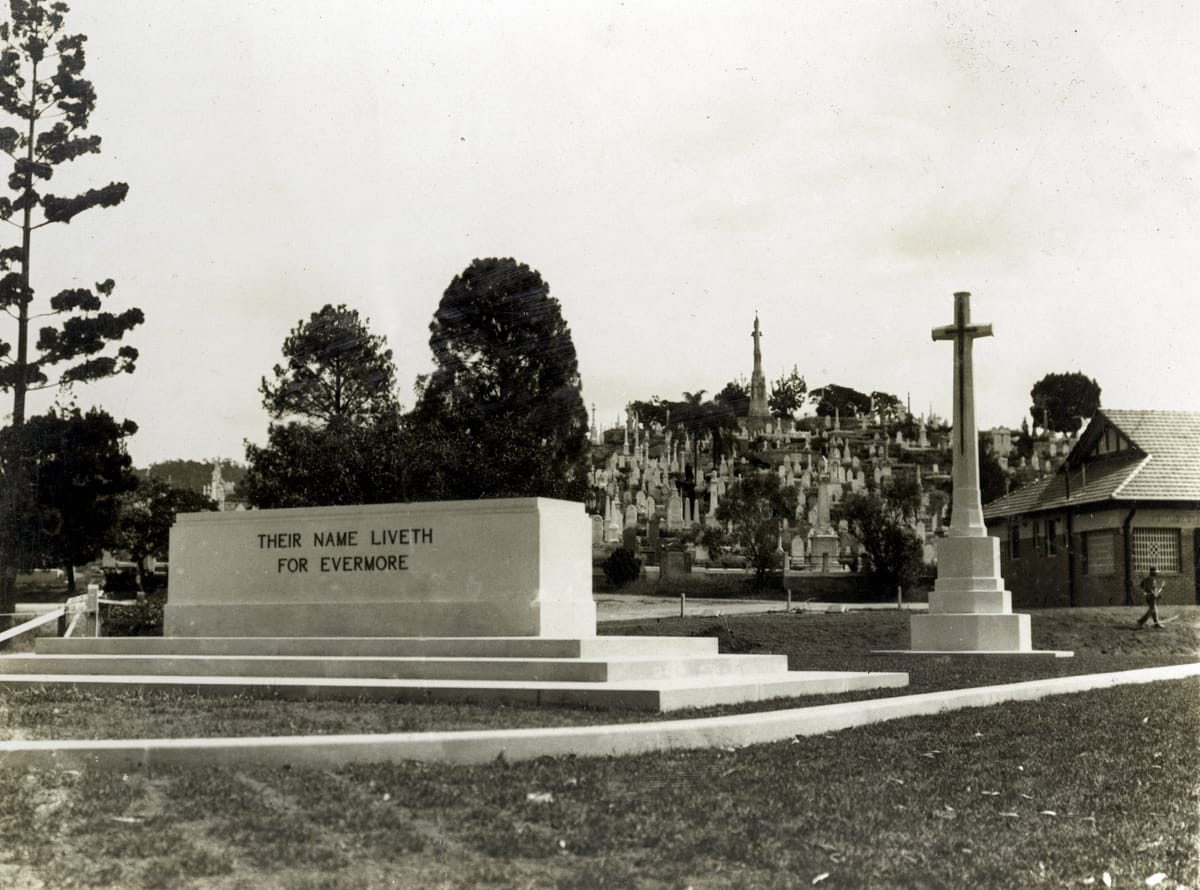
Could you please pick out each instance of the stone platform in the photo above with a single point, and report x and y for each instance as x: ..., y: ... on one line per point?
x: 645, y: 673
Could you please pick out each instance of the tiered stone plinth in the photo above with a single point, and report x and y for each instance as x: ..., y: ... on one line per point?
x: 485, y: 601
x: 969, y: 609
x: 642, y: 673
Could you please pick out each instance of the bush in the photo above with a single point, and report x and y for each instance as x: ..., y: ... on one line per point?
x: 621, y: 567
x: 120, y: 584
x: 138, y: 618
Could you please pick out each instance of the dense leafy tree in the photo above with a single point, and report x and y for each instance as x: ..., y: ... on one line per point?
x: 74, y: 468
x: 1061, y: 402
x: 506, y: 386
x: 334, y: 367
x: 889, y: 407
x: 787, y: 394
x: 735, y: 397
x: 880, y: 521
x: 842, y: 400
x: 993, y: 480
x: 145, y: 516
x: 756, y: 504
x: 652, y: 410
x: 337, y: 434
x: 48, y: 103
x: 621, y: 567
x: 319, y: 466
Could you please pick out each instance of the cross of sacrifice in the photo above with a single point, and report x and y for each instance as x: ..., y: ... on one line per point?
x: 962, y: 332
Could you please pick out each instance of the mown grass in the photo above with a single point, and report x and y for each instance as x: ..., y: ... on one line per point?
x: 1103, y: 640
x: 1036, y: 794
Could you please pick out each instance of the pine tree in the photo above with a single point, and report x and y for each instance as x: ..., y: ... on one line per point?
x: 48, y: 103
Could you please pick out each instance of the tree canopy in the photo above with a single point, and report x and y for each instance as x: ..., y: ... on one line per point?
x: 334, y: 368
x: 337, y: 430
x: 145, y: 516
x: 735, y: 396
x: 879, y: 520
x: 64, y: 473
x: 1061, y: 402
x: 756, y: 504
x: 506, y: 388
x: 43, y: 92
x: 46, y: 103
x: 787, y: 394
x: 842, y: 400
x: 889, y: 407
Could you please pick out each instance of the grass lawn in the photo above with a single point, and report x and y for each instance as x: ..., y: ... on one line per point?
x: 1058, y: 792
x: 1031, y: 794
x: 1103, y: 639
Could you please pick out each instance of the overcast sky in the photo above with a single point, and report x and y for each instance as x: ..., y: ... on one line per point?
x: 670, y: 168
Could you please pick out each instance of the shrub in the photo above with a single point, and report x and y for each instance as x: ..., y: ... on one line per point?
x: 138, y: 618
x: 120, y: 584
x: 621, y: 567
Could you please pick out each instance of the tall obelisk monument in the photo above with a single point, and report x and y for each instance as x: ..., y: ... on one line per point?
x: 969, y: 609
x: 759, y: 414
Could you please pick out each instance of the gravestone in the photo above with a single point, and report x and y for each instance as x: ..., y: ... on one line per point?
x: 508, y: 567
x: 631, y: 519
x: 674, y: 512
x: 612, y: 530
x: 597, y: 528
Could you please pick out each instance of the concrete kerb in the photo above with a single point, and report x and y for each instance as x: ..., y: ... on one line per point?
x: 470, y: 747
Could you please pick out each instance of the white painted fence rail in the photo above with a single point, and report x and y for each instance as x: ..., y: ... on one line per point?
x: 86, y: 606
x: 32, y: 624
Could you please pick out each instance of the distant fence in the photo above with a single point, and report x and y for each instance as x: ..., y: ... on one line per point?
x: 76, y: 610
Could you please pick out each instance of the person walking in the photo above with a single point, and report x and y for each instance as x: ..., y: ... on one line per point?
x: 1152, y: 588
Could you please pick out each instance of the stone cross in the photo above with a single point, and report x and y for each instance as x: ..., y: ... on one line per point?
x: 968, y: 510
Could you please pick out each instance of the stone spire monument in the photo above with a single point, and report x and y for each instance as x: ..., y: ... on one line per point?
x: 759, y: 415
x: 969, y: 609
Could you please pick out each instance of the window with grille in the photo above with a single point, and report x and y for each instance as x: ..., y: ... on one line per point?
x: 1098, y: 554
x: 1051, y: 537
x: 1014, y: 541
x: 1157, y: 547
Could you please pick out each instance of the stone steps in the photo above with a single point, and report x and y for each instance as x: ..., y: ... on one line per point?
x: 384, y: 647
x: 564, y: 670
x: 648, y: 673
x: 661, y: 695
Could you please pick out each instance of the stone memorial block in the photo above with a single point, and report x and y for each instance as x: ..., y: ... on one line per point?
x: 505, y: 567
x: 597, y: 528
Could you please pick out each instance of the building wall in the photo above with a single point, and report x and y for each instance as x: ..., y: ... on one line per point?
x: 1037, y: 574
x: 1040, y: 576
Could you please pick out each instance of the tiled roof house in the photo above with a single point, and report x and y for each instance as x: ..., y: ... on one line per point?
x: 1127, y: 498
